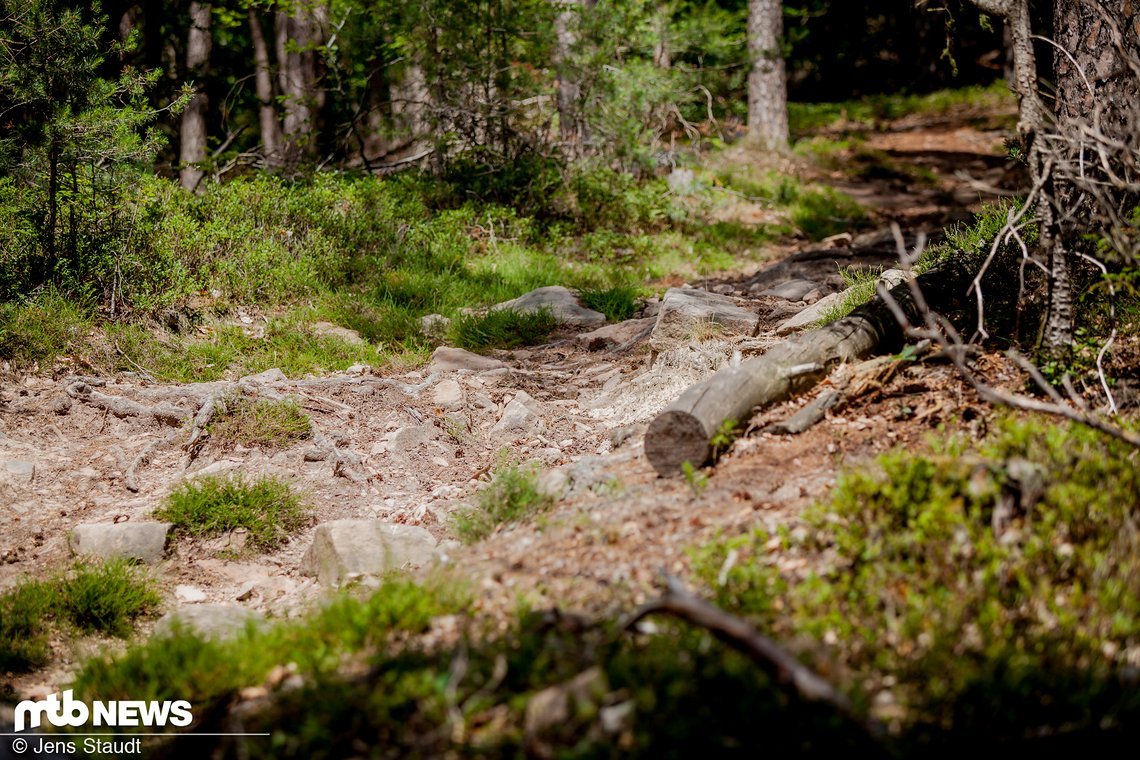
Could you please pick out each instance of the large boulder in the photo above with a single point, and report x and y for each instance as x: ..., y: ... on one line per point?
x: 559, y: 301
x: 142, y: 541
x: 343, y: 549
x: 685, y: 311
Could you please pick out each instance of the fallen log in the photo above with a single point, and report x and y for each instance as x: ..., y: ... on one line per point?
x: 685, y: 430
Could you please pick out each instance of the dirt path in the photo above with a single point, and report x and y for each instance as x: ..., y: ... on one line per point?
x: 415, y: 447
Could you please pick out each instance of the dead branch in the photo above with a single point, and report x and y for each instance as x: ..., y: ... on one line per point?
x: 785, y: 669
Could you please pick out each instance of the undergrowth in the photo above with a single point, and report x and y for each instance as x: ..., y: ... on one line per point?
x: 502, y: 328
x: 963, y: 622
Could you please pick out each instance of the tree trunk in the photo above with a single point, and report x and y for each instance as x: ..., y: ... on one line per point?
x: 767, y: 80
x: 568, y: 91
x: 192, y: 144
x: 266, y: 105
x: 299, y: 35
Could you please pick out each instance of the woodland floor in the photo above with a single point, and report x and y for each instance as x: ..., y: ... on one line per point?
x: 600, y: 549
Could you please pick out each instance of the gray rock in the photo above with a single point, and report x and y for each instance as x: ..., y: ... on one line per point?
x: 561, y: 302
x: 447, y: 359
x: 189, y: 594
x: 724, y: 289
x: 143, y: 541
x: 448, y: 394
x: 345, y: 548
x: 553, y: 483
x: 329, y: 330
x: 516, y: 416
x: 792, y: 290
x: 551, y: 708
x: 811, y: 314
x: 274, y: 375
x: 405, y: 440
x: 209, y: 621
x: 20, y: 472
x: 685, y: 309
x: 434, y: 326
x: 618, y: 334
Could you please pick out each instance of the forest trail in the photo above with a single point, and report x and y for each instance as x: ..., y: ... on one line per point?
x: 415, y: 447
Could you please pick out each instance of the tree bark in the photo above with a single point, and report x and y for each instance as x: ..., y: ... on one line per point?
x: 299, y: 35
x: 767, y: 79
x: 266, y: 104
x: 192, y: 134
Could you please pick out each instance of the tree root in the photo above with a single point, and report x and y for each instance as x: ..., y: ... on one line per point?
x: 131, y: 480
x: 164, y: 412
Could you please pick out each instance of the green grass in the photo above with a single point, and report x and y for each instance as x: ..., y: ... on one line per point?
x: 36, y: 331
x: 513, y: 495
x: 617, y: 303
x: 104, y: 598
x: 815, y: 211
x: 970, y: 630
x: 502, y: 328
x: 185, y: 666
x: 866, y: 112
x: 211, y: 505
x: 259, y: 422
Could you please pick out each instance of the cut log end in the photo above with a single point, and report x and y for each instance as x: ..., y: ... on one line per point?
x: 673, y: 438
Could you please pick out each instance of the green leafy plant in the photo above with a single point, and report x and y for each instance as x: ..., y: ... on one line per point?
x: 696, y: 480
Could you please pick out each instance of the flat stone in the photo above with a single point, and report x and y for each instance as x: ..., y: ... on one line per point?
x: 553, y: 483
x: 434, y: 325
x: 617, y: 334
x: 274, y: 375
x: 811, y: 314
x: 448, y: 394
x: 560, y: 301
x: 209, y: 621
x: 447, y: 359
x: 142, y: 541
x: 342, y: 549
x: 20, y: 472
x: 405, y: 440
x: 685, y: 309
x: 329, y: 330
x: 792, y: 290
x: 189, y: 594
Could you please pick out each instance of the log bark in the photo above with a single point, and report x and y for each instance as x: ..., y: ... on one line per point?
x: 684, y: 431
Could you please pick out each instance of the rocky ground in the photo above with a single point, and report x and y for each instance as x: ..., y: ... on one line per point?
x: 85, y: 461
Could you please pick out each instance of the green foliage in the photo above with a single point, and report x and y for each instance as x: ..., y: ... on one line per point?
x: 502, y: 328
x: 513, y: 495
x: 102, y: 598
x: 211, y: 505
x: 979, y: 629
x: 259, y: 422
x: 617, y: 303
x: 822, y: 212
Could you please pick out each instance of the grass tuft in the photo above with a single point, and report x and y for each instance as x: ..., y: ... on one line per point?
x: 103, y: 598
x: 513, y: 495
x: 502, y: 328
x: 618, y: 303
x: 209, y: 506
x: 260, y: 422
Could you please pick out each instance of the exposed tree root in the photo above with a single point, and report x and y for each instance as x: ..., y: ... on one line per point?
x: 164, y: 412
